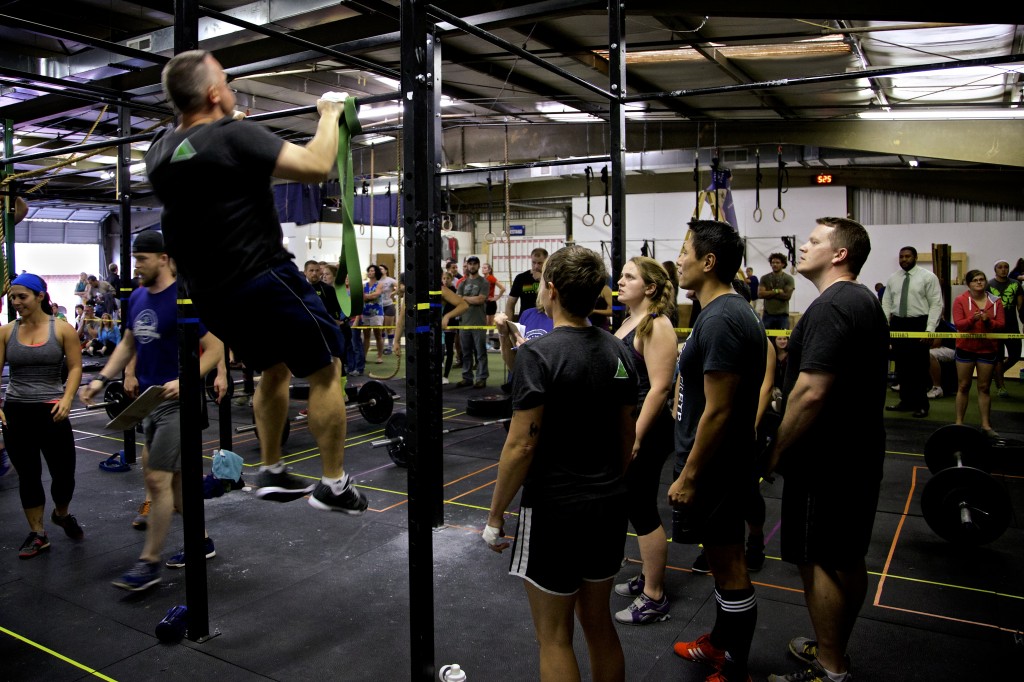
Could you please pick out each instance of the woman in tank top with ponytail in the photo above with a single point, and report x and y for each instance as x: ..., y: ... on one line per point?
x: 645, y: 289
x: 36, y: 406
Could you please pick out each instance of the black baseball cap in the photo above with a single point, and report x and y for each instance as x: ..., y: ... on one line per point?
x: 149, y: 241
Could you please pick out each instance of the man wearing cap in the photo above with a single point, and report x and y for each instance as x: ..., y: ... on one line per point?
x: 912, y: 303
x: 474, y: 289
x: 1011, y: 294
x: 212, y: 173
x: 151, y: 339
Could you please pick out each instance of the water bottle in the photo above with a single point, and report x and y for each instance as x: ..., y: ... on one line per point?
x: 172, y: 628
x: 452, y: 673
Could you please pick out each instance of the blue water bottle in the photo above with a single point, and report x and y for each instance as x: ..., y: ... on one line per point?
x: 172, y: 628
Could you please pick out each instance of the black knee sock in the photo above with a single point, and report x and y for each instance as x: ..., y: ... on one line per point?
x: 734, y: 627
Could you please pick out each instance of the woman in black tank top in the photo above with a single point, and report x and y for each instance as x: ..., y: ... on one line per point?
x: 645, y: 289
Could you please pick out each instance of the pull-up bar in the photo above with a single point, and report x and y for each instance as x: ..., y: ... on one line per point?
x: 525, y: 164
x: 142, y: 137
x: 828, y: 78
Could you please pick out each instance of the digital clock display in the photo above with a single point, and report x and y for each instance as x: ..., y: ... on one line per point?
x: 824, y: 178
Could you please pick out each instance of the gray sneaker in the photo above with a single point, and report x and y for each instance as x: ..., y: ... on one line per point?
x: 350, y: 501
x: 282, y: 486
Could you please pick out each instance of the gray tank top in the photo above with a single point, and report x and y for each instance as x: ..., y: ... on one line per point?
x: 35, y: 370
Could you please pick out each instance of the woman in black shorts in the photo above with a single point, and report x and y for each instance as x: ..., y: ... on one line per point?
x: 645, y: 289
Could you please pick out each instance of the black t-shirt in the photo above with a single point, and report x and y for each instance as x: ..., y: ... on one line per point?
x: 583, y: 376
x: 728, y: 337
x: 525, y: 288
x: 329, y: 298
x: 843, y: 332
x: 219, y: 220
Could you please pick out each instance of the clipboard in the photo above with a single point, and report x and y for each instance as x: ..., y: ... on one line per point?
x: 137, y: 410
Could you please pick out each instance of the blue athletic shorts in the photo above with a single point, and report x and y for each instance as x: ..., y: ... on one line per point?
x: 275, y: 317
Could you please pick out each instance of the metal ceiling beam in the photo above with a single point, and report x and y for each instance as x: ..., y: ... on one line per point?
x: 566, y: 46
x: 697, y: 43
x: 830, y: 78
x: 53, y: 32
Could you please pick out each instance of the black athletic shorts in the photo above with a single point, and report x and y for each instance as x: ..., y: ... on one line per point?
x: 558, y: 548
x: 275, y: 317
x: 491, y: 307
x: 715, y: 519
x: 828, y: 520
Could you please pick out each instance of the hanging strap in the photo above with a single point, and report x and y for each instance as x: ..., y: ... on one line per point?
x: 757, y: 187
x: 348, y: 260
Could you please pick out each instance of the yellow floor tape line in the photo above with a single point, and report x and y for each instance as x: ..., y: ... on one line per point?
x: 53, y: 653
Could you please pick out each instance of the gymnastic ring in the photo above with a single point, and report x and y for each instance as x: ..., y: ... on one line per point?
x: 757, y: 215
x: 776, y: 212
x: 390, y: 241
x: 607, y: 219
x: 587, y: 216
x: 446, y: 223
x: 489, y: 237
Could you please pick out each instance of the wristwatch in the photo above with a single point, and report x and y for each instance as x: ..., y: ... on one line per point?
x: 102, y: 379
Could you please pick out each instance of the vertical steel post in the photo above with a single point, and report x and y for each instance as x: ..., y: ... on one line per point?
x: 420, y: 187
x: 186, y: 37
x: 617, y: 143
x: 124, y: 200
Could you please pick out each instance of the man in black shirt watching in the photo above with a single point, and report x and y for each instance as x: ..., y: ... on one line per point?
x: 525, y: 285
x: 721, y: 368
x: 212, y: 174
x: 830, y: 446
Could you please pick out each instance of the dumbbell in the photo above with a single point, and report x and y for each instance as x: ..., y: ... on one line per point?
x: 962, y: 503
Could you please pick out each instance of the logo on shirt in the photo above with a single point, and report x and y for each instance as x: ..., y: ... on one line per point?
x: 620, y: 371
x: 145, y: 327
x: 184, y: 152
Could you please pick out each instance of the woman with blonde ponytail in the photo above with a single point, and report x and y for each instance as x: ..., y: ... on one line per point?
x: 646, y: 290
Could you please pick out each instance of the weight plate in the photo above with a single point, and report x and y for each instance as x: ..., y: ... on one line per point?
x: 298, y: 392
x: 395, y: 428
x: 115, y: 399
x: 375, y: 402
x: 494, y: 406
x: 942, y: 448
x: 966, y: 506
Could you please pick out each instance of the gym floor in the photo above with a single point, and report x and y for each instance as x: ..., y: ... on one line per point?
x: 298, y: 594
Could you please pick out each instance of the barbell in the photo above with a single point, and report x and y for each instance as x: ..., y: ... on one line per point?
x: 115, y: 400
x: 962, y: 503
x: 374, y: 401
x: 395, y: 431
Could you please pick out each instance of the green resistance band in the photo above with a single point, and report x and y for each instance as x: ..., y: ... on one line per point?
x: 348, y: 261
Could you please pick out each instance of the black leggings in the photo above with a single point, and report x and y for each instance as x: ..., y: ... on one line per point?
x: 643, y: 476
x: 31, y: 429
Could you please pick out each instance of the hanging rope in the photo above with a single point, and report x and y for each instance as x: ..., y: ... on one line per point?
x: 507, y: 188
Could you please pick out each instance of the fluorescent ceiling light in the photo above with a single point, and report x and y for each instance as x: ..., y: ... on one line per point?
x: 804, y: 48
x: 390, y: 82
x: 557, y: 111
x: 376, y: 139
x: 941, y: 114
x: 60, y: 220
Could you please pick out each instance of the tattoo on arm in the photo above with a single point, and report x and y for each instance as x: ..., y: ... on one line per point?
x: 534, y: 430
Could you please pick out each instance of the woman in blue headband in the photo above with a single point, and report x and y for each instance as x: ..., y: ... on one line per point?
x: 36, y: 406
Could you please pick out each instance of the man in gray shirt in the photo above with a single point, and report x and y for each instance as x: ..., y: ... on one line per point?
x: 474, y: 289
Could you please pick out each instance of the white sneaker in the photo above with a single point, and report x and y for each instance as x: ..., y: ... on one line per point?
x: 935, y: 392
x: 444, y: 380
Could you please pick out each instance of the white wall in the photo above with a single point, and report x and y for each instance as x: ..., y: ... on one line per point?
x: 60, y: 265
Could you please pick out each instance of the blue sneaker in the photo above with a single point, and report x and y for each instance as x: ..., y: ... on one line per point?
x: 139, y: 577
x: 178, y: 560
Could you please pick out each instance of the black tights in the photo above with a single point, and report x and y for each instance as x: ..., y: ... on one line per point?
x: 30, y: 430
